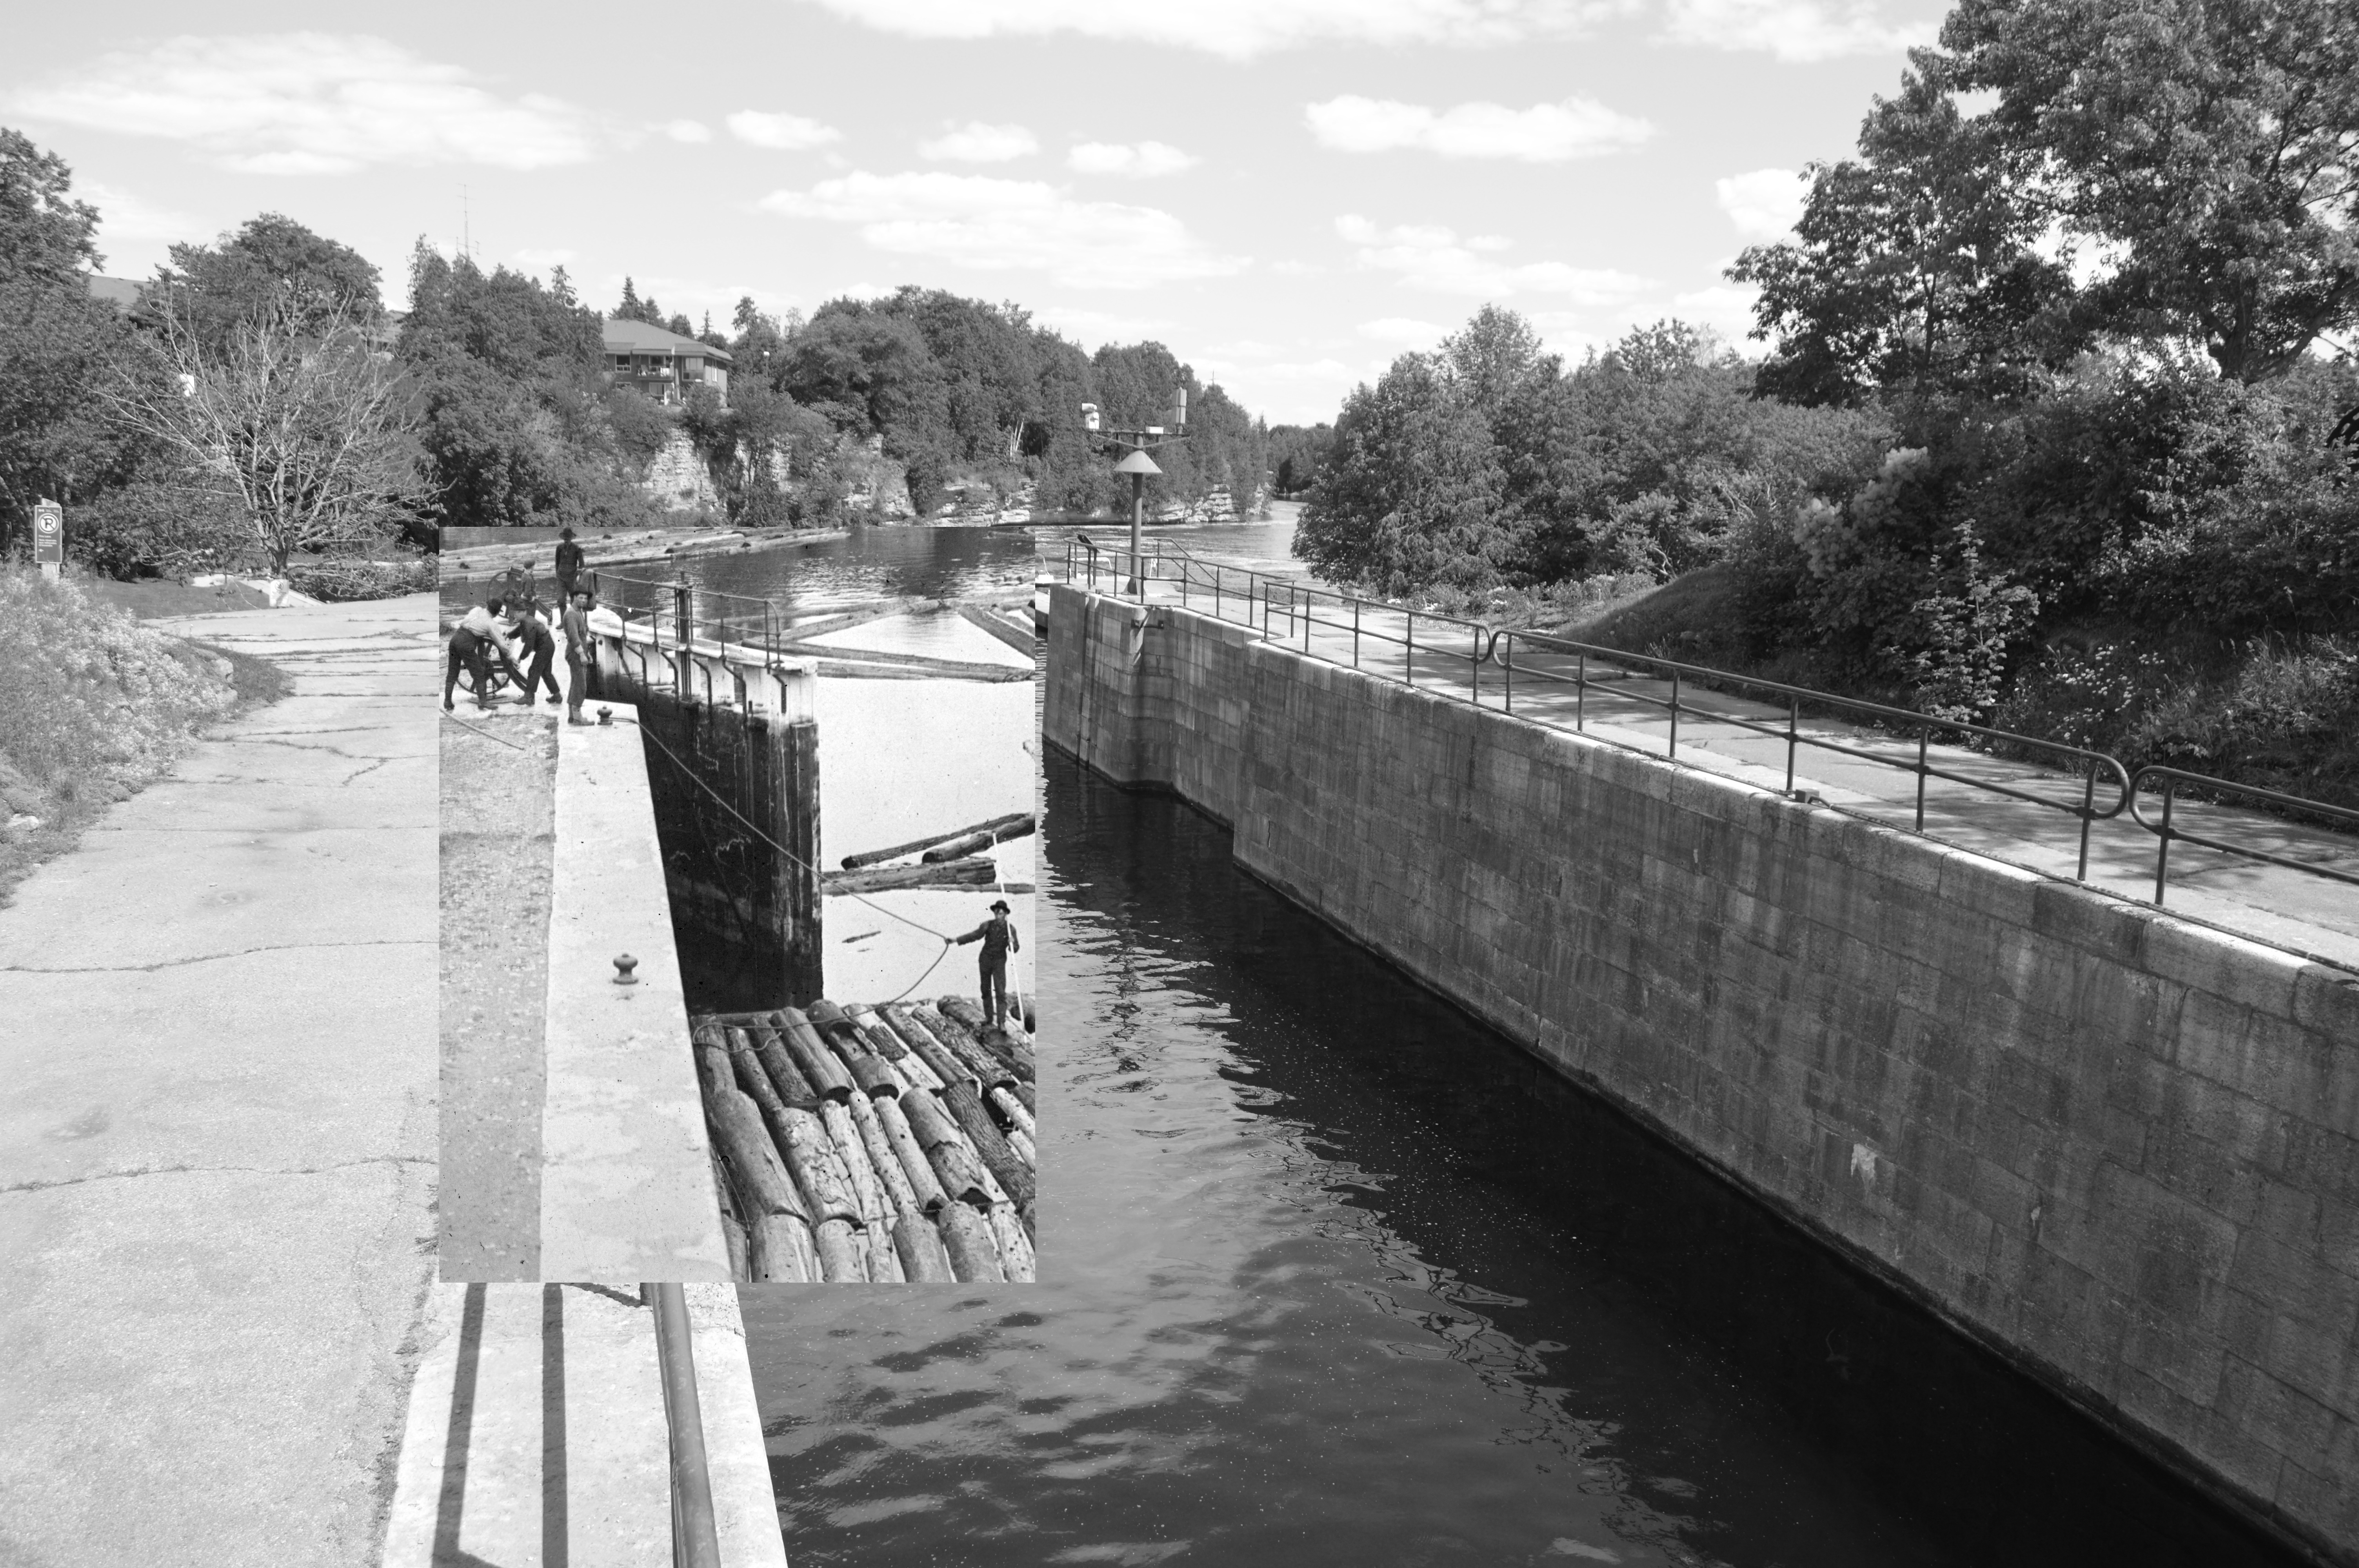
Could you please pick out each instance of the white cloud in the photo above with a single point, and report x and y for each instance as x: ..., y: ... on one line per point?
x: 787, y: 133
x: 1792, y: 30
x: 123, y: 216
x: 1545, y: 132
x: 1726, y: 308
x: 1237, y: 28
x: 1141, y: 160
x: 1764, y: 204
x: 978, y: 143
x: 1093, y: 328
x: 1010, y: 224
x: 687, y: 131
x: 1430, y: 256
x: 1403, y: 331
x: 541, y: 259
x: 311, y: 103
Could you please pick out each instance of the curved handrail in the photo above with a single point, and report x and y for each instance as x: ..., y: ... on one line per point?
x: 2172, y: 778
x: 2092, y: 763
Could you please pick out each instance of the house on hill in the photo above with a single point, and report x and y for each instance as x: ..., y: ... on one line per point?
x: 663, y: 364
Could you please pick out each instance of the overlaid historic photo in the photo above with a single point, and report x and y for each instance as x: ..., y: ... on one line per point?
x: 737, y: 934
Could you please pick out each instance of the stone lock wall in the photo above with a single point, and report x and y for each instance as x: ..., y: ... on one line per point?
x: 2114, y: 1145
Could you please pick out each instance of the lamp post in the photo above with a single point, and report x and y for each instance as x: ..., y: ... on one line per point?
x: 1140, y: 441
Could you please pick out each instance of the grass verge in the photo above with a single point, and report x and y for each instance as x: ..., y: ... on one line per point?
x: 96, y: 708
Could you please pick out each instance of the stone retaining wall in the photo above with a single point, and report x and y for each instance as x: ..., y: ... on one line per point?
x: 2114, y: 1145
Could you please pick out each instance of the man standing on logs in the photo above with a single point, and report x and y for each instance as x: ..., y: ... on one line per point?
x: 998, y: 938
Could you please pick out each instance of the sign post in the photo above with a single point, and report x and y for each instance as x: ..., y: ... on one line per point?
x: 49, y: 538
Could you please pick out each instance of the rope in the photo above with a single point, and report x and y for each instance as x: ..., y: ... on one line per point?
x: 484, y: 733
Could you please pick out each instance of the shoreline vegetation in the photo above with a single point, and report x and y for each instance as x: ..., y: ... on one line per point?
x: 2020, y: 447
x: 99, y: 707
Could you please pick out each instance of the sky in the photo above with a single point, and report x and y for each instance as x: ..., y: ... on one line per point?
x: 1287, y: 193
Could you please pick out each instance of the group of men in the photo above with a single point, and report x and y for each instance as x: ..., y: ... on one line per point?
x: 484, y: 635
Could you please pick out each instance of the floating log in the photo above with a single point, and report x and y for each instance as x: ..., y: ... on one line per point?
x: 780, y: 1250
x: 1019, y: 1117
x: 933, y: 1125
x: 770, y: 1050
x: 732, y: 1239
x: 867, y: 1188
x: 997, y: 1039
x: 883, y: 1160
x: 1025, y: 1148
x: 975, y: 1251
x: 987, y: 1070
x: 982, y: 838
x: 919, y: 1246
x: 976, y: 872
x: 842, y: 1255
x: 818, y: 1170
x: 883, y: 1261
x: 713, y: 1073
x: 963, y: 1176
x: 911, y: 1154
x: 876, y: 1031
x: 873, y: 1076
x: 1014, y: 1175
x: 818, y: 1065
x: 764, y: 1187
x: 854, y: 862
x: 927, y: 1048
x: 1023, y: 1093
x: 1022, y: 640
x: 1015, y: 1247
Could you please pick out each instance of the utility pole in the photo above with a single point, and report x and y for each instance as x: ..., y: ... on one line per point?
x: 1138, y: 465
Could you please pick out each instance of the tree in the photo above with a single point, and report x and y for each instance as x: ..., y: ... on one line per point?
x: 294, y: 415
x: 1410, y: 496
x: 2211, y: 141
x: 57, y: 343
x: 44, y: 233
x: 271, y: 263
x: 1913, y: 268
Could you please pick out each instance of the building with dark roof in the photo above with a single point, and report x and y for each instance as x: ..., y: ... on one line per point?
x: 663, y: 364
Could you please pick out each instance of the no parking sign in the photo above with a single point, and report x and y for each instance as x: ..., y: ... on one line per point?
x: 50, y: 535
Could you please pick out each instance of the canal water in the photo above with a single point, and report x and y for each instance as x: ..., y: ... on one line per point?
x: 1333, y: 1276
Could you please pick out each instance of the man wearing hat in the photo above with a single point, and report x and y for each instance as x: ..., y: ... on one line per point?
x: 569, y: 565
x: 998, y: 938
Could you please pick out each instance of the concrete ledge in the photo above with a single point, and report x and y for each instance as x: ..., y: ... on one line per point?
x: 626, y: 1187
x: 536, y: 1433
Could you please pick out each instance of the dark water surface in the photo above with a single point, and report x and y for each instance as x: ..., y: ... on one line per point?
x: 1340, y: 1278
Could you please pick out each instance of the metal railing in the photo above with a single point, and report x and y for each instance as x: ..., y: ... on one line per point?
x: 2089, y: 765
x: 679, y: 613
x: 695, y: 1541
x: 1287, y: 611
x: 2167, y: 782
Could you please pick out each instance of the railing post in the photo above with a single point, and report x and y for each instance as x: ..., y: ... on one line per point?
x: 1508, y: 670
x: 1355, y: 632
x: 1581, y: 693
x: 1924, y: 744
x: 1408, y: 650
x: 1474, y: 667
x: 683, y: 614
x: 1675, y: 715
x: 2162, y: 856
x: 1793, y: 731
x: 696, y: 1544
x: 2088, y: 810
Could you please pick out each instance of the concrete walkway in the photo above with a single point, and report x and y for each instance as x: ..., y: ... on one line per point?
x: 217, y: 1137
x: 537, y: 1440
x: 2314, y: 915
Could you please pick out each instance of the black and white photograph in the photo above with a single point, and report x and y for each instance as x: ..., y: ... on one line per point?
x: 891, y: 783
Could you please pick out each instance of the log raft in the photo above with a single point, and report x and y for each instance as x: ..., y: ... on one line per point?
x: 882, y: 1144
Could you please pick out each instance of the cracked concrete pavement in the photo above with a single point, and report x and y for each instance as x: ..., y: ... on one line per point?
x: 217, y: 1142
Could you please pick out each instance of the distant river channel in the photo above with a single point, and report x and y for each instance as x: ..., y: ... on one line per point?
x: 1333, y: 1276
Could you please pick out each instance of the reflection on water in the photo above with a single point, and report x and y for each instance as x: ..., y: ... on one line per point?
x: 1335, y: 1277
x: 942, y: 563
